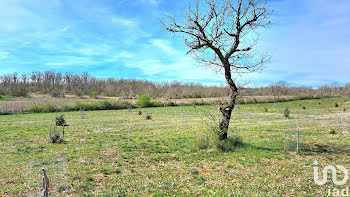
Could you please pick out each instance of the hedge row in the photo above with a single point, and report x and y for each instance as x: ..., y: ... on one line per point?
x: 117, y: 105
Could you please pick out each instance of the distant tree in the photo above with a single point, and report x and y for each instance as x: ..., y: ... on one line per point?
x: 144, y: 101
x: 224, y: 34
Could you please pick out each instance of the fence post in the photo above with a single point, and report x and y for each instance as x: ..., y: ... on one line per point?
x: 45, y: 192
x: 285, y: 140
x: 298, y: 136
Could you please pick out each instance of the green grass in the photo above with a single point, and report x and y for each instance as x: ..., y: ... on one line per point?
x: 119, y: 153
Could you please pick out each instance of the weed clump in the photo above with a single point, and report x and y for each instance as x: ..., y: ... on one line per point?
x: 286, y: 112
x: 230, y: 144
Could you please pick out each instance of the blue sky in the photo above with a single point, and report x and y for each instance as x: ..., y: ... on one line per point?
x: 309, y: 41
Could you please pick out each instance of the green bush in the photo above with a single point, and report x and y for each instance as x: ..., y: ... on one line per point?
x: 67, y: 108
x: 47, y: 108
x: 35, y: 109
x: 144, y: 101
x: 106, y: 105
x: 156, y: 104
x: 94, y: 95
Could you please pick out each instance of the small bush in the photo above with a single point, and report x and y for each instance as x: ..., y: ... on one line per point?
x: 230, y: 144
x: 336, y: 105
x: 144, y: 101
x: 106, y: 105
x: 304, y: 107
x: 35, y: 109
x: 333, y: 132
x: 286, y: 112
x: 94, y: 95
x: 4, y: 98
x: 20, y: 92
x: 148, y: 117
x: 47, y: 108
x: 140, y: 112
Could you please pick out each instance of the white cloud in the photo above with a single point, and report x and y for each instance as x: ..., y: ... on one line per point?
x: 164, y: 45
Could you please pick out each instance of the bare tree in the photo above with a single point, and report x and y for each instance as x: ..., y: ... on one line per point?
x: 224, y: 34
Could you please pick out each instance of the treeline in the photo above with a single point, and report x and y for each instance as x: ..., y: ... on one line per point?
x: 59, y: 84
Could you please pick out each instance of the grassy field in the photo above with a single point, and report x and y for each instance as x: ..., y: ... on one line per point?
x: 119, y: 153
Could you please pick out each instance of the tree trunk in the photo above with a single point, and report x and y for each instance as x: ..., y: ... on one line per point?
x: 226, y: 116
x: 227, y: 111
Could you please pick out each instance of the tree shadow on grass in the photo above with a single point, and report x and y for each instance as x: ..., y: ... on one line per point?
x: 325, y: 148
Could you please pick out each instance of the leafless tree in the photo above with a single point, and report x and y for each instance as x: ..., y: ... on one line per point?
x: 224, y: 34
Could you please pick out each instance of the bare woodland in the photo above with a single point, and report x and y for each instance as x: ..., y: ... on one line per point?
x: 58, y: 85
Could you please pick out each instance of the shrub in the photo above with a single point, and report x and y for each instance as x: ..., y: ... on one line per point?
x: 144, y: 101
x: 105, y: 105
x: 148, y: 117
x: 47, y: 108
x: 304, y: 107
x: 333, y: 132
x: 156, y: 104
x: 336, y: 105
x: 230, y: 144
x: 94, y: 95
x: 286, y: 112
x: 67, y: 108
x: 4, y: 98
x: 35, y: 109
x: 20, y: 92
